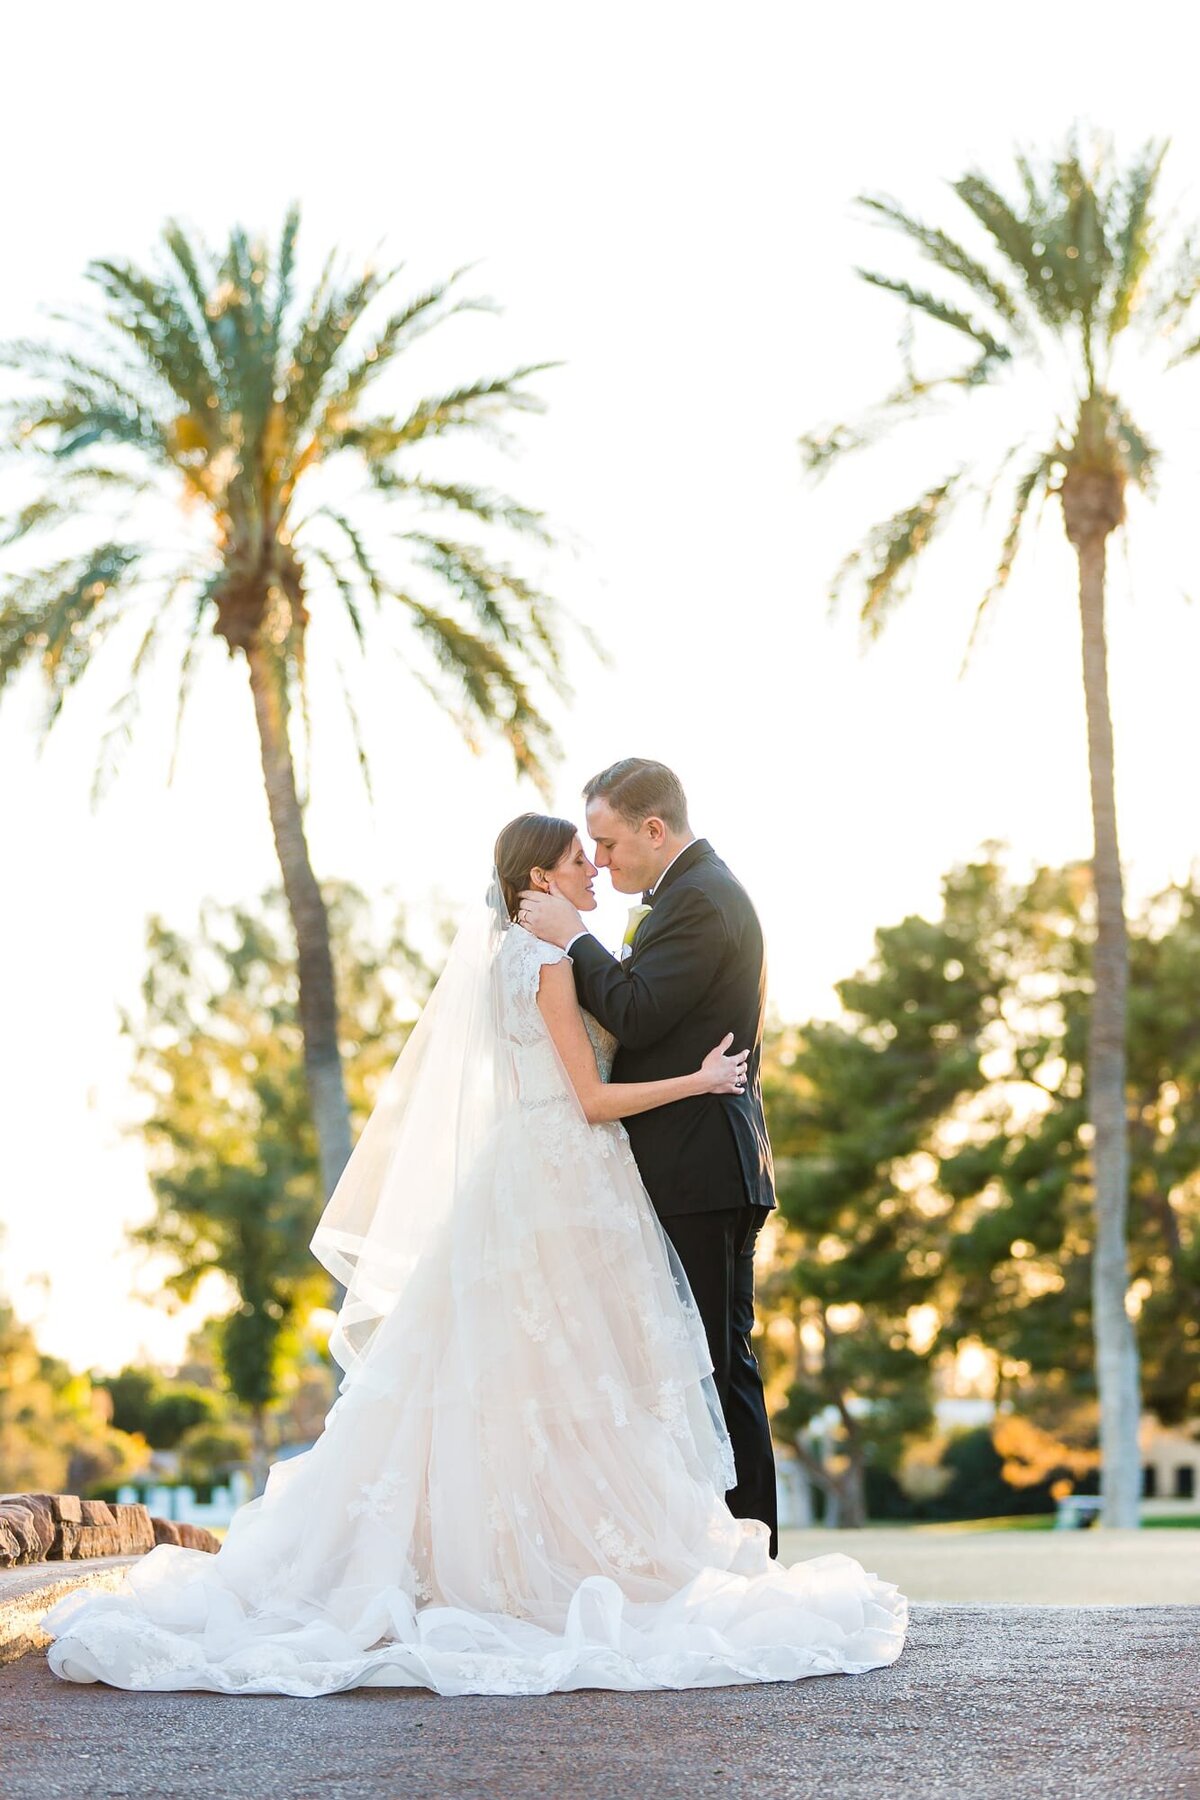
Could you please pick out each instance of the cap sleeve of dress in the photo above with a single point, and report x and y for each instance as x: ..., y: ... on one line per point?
x: 538, y: 955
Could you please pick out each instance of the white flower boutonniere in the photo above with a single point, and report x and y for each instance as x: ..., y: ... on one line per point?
x: 636, y: 915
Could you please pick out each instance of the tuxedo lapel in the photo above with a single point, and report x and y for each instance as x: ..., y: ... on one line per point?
x: 687, y: 859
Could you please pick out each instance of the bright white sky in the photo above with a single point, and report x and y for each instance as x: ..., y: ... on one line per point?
x: 660, y: 195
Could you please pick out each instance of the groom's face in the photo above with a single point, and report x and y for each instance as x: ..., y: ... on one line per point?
x: 632, y: 854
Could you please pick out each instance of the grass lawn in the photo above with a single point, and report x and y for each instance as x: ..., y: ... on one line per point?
x: 1017, y: 1522
x: 1026, y: 1522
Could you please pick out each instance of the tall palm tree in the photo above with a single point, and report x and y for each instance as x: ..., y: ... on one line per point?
x: 1065, y: 281
x: 207, y: 383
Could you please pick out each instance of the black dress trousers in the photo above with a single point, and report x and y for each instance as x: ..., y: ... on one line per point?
x: 717, y: 1253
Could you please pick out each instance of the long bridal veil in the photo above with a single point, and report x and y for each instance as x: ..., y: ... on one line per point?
x: 441, y: 1103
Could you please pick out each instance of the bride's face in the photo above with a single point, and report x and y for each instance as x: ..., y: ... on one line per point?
x: 573, y: 876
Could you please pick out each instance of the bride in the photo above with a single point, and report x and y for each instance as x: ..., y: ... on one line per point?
x: 520, y: 1487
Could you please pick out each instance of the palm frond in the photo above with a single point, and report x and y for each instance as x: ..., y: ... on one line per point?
x: 284, y: 276
x: 194, y: 262
x: 821, y: 448
x: 344, y: 586
x: 1018, y: 242
x: 241, y: 325
x: 356, y: 732
x: 885, y: 561
x: 942, y: 250
x: 205, y: 595
x: 940, y: 310
x: 1077, y: 246
x: 417, y: 316
x: 1135, y: 238
x: 358, y: 549
x: 476, y: 407
x: 1173, y: 293
x: 75, y: 420
x: 41, y: 360
x: 62, y: 502
x: 149, y: 312
x: 332, y: 316
x: 485, y: 504
x: 490, y: 685
x: 59, y: 616
x: 1138, y: 454
x: 47, y: 509
x: 488, y: 590
x: 1026, y: 488
x: 125, y: 711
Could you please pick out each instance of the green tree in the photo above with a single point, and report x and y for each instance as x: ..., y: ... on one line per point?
x: 55, y: 1429
x: 854, y: 1108
x: 934, y: 1172
x: 156, y: 1409
x: 210, y: 447
x: 209, y: 1453
x: 228, y: 1128
x: 1068, y: 276
x: 1020, y: 1257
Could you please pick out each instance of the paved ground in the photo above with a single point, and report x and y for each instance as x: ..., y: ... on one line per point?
x: 1028, y: 1568
x: 28, y: 1592
x: 987, y: 1703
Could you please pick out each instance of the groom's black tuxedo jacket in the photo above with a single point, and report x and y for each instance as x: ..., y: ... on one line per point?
x: 697, y: 970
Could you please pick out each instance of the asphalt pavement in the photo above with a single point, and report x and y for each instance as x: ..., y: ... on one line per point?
x: 987, y: 1701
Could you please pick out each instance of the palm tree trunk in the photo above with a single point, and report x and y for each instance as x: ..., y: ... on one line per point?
x: 260, y: 1461
x: 1115, y: 1343
x: 853, y: 1515
x: 318, y: 992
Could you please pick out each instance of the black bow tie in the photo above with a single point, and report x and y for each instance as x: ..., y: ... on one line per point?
x: 647, y: 898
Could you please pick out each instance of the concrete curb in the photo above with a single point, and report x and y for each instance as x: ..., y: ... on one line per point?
x: 27, y: 1594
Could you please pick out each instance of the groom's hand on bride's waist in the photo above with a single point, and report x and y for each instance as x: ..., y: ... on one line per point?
x: 550, y: 917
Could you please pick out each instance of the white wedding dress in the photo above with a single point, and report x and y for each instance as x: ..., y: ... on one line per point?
x: 520, y: 1487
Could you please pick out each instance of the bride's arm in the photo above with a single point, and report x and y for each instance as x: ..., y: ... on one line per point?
x: 606, y: 1100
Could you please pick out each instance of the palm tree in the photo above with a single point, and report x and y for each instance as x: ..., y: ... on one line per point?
x: 1067, y: 279
x: 206, y: 385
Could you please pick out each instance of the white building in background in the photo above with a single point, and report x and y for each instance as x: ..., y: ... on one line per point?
x: 177, y: 1502
x: 1170, y: 1469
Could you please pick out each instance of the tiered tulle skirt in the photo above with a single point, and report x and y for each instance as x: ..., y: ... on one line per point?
x: 520, y: 1489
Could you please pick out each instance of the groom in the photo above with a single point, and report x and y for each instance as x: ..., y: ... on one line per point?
x: 693, y: 970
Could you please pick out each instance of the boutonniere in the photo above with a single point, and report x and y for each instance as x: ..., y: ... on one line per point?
x: 636, y: 915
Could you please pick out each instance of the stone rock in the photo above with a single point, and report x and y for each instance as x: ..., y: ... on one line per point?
x: 19, y: 1522
x: 97, y: 1512
x: 136, y: 1531
x: 47, y: 1514
x: 66, y: 1541
x: 11, y: 1549
x: 64, y: 1528
x: 198, y: 1537
x: 97, y: 1540
x: 41, y: 1519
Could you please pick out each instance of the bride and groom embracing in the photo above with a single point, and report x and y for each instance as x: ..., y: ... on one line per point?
x: 549, y: 1462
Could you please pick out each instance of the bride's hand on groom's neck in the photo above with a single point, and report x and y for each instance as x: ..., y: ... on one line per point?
x: 550, y: 916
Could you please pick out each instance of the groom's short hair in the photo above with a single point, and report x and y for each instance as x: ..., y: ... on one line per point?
x: 638, y: 789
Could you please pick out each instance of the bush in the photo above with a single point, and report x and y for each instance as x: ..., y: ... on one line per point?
x: 207, y: 1453
x: 160, y: 1411
x: 979, y: 1490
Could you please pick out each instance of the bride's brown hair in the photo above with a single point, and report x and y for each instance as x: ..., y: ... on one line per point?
x: 532, y: 841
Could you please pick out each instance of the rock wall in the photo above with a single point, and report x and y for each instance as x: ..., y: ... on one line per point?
x: 64, y: 1528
